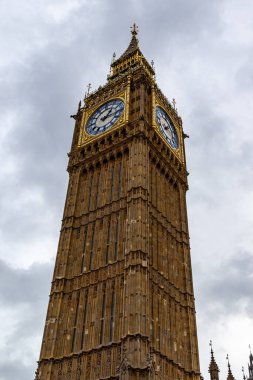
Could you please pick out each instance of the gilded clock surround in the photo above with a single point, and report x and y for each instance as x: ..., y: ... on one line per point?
x: 122, y: 303
x: 158, y: 99
x: 86, y: 137
x: 105, y: 117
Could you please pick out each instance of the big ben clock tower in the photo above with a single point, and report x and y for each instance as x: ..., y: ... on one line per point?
x: 122, y: 304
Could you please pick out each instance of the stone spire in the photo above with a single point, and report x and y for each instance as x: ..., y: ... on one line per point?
x: 134, y: 44
x: 250, y: 365
x: 243, y: 373
x: 131, y: 58
x: 230, y: 375
x: 213, y: 367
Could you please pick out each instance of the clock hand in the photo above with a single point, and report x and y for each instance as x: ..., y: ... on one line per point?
x: 106, y: 116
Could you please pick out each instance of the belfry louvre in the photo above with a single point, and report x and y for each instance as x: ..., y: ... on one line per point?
x: 121, y: 304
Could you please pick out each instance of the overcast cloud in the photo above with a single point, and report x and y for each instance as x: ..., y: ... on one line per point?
x: 203, y: 53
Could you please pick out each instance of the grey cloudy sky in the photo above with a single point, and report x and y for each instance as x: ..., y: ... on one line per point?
x: 203, y: 53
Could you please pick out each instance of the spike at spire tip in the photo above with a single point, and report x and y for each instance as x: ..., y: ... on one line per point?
x: 134, y: 29
x: 244, y: 376
x: 227, y: 357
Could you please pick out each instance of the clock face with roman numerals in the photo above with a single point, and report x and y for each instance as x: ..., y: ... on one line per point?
x: 105, y: 117
x: 167, y: 128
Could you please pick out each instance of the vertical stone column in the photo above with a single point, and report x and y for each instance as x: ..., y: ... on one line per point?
x: 136, y: 315
x: 192, y: 362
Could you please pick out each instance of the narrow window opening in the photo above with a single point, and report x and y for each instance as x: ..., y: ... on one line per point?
x: 152, y: 314
x: 116, y: 241
x: 75, y: 323
x: 84, y: 322
x: 91, y: 246
x: 157, y: 245
x: 102, y: 319
x: 90, y: 190
x: 158, y: 327
x: 120, y: 182
x: 73, y: 340
x: 108, y: 241
x: 112, y: 315
x: 98, y: 188
x: 112, y: 182
x: 84, y: 251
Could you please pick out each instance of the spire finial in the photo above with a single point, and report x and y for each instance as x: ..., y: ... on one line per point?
x: 210, y: 343
x: 213, y: 367
x: 230, y: 375
x: 87, y: 93
x: 88, y: 89
x: 244, y: 376
x: 250, y: 355
x: 134, y: 29
x: 113, y: 57
x: 250, y: 365
x: 229, y: 367
x: 227, y: 357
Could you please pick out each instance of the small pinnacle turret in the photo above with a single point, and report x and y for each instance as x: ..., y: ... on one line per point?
x: 230, y: 375
x: 213, y: 367
x: 243, y: 373
x: 250, y: 365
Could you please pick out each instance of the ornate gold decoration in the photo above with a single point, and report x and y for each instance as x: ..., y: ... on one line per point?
x: 131, y: 57
x: 134, y: 29
x: 85, y: 137
x: 170, y: 110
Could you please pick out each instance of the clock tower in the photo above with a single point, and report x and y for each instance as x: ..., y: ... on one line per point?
x: 121, y: 304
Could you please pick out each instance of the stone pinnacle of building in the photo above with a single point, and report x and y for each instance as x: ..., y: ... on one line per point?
x: 213, y: 367
x: 243, y: 373
x: 230, y: 375
x: 250, y: 365
x: 133, y: 46
x: 131, y: 58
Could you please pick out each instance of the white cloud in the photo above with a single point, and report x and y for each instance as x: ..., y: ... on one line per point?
x: 60, y: 11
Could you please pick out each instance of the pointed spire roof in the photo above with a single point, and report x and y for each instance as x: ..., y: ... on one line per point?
x: 134, y: 43
x: 250, y: 365
x: 230, y: 375
x: 213, y: 366
x: 250, y: 355
x: 131, y: 56
x: 243, y: 372
x: 133, y: 46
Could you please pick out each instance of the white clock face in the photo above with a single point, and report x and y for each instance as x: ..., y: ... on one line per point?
x: 105, y: 116
x: 167, y: 128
